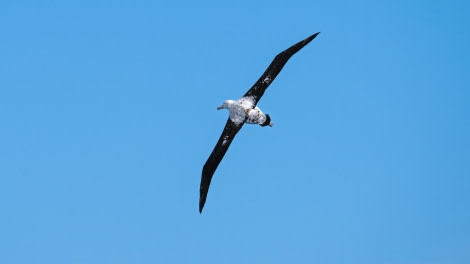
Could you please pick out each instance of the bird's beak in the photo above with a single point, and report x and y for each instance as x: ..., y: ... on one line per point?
x: 220, y: 107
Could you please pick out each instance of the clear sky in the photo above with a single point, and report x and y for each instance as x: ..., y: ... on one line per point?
x: 108, y: 113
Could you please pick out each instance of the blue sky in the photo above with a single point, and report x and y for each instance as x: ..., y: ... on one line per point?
x: 108, y: 113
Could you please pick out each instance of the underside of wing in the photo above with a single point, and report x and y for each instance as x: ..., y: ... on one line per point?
x: 230, y: 130
x: 258, y: 89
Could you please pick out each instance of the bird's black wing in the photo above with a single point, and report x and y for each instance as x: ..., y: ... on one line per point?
x: 230, y: 130
x: 257, y: 90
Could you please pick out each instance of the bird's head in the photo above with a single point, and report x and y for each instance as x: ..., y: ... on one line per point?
x: 226, y: 104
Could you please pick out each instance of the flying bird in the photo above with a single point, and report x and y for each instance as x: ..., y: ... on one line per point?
x: 244, y: 110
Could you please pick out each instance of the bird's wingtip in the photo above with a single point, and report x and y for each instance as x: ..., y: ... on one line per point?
x: 307, y: 40
x: 202, y: 201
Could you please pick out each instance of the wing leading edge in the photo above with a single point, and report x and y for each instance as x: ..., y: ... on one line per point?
x: 230, y: 130
x: 258, y: 89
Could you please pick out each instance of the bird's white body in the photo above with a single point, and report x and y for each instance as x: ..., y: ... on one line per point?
x: 243, y: 110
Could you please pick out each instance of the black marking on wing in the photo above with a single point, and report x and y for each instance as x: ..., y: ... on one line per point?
x: 230, y: 130
x: 258, y: 89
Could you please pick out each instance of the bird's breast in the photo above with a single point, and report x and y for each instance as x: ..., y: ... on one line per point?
x: 237, y: 114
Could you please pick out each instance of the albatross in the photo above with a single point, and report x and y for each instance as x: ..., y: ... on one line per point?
x: 244, y: 110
